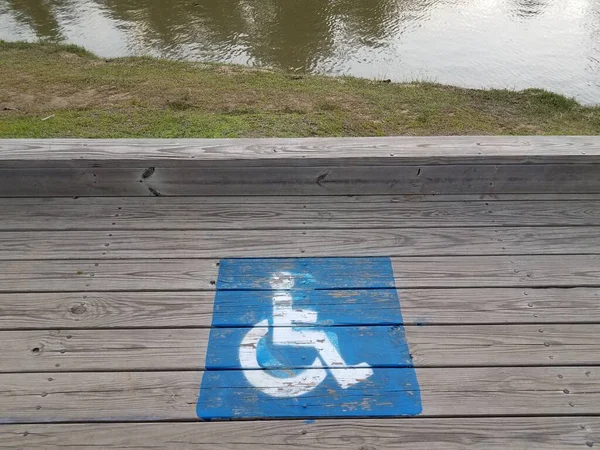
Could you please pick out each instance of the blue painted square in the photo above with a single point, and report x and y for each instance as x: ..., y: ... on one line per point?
x: 307, y: 337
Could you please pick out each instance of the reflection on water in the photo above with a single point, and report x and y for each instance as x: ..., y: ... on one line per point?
x: 553, y: 44
x: 37, y: 15
x: 529, y: 8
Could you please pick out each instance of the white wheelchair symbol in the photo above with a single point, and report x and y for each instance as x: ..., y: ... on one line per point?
x: 285, y: 317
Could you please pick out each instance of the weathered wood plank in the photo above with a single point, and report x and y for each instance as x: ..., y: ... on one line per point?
x: 321, y: 180
x: 185, y: 349
x: 405, y: 150
x: 106, y: 309
x: 59, y: 310
x: 30, y: 245
x: 499, y: 305
x: 201, y: 274
x: 498, y: 433
x: 504, y: 345
x: 86, y: 275
x: 225, y: 213
x: 74, y: 350
x: 150, y: 396
x: 71, y: 182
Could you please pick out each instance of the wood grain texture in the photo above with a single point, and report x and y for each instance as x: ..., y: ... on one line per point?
x: 76, y: 310
x: 406, y: 150
x: 87, y: 275
x: 497, y: 271
x: 531, y: 433
x: 312, y: 180
x: 151, y: 396
x: 504, y: 345
x: 185, y: 349
x: 280, y: 212
x: 150, y: 244
x: 106, y: 309
x: 201, y: 274
x: 500, y: 305
x: 71, y: 182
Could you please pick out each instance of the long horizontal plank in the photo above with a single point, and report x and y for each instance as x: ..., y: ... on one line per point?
x: 186, y: 349
x: 407, y: 150
x: 440, y: 271
x: 201, y: 274
x: 224, y: 213
x: 151, y: 396
x: 60, y: 310
x: 498, y: 433
x: 29, y: 245
x: 399, y: 198
x: 120, y: 275
x: 313, y: 180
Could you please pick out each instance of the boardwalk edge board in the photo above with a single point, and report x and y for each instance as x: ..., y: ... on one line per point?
x: 463, y: 165
x: 404, y: 150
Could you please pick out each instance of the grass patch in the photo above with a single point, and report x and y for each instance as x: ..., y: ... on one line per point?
x: 146, y: 97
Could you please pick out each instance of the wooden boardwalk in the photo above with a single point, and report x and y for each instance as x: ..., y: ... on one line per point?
x: 110, y: 254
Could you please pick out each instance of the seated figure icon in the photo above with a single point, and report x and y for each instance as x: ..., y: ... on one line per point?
x: 286, y: 332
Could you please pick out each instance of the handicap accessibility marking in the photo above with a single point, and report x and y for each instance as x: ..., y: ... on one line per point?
x: 307, y: 338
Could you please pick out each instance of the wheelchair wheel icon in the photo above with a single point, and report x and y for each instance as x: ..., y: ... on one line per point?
x: 292, y: 328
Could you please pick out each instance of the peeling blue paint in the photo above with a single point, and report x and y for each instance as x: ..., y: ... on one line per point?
x: 310, y: 273
x: 351, y: 308
x: 238, y: 308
